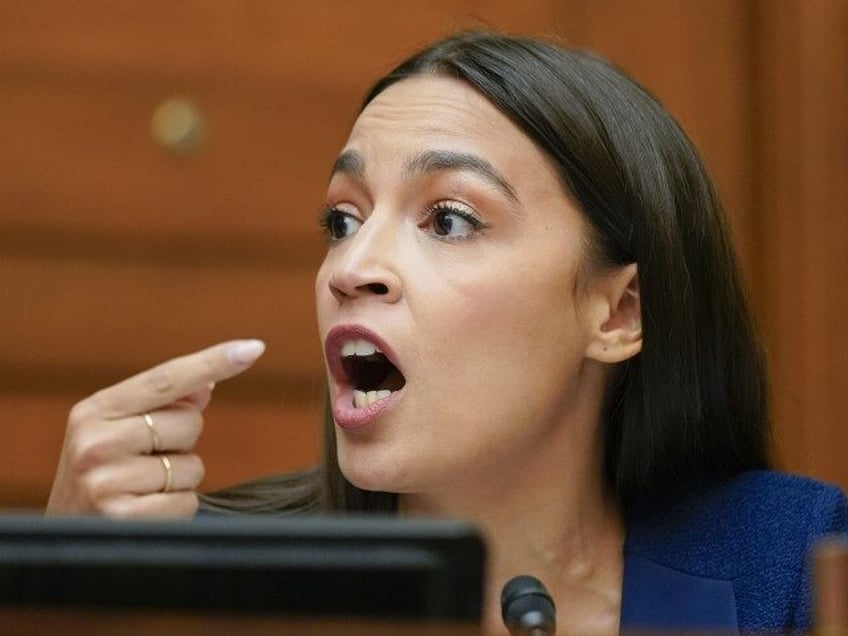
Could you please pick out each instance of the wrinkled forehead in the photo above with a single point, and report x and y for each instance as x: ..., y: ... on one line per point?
x: 432, y: 108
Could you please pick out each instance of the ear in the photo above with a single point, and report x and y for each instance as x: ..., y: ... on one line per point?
x: 616, y: 316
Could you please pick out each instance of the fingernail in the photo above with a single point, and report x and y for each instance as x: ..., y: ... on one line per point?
x: 246, y: 351
x: 211, y: 386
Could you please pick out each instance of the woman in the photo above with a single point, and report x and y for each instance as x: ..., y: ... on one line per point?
x: 531, y: 319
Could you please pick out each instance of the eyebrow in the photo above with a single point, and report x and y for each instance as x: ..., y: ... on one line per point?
x: 351, y: 162
x: 434, y: 160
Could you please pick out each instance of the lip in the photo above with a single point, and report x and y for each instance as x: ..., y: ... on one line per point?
x: 344, y: 413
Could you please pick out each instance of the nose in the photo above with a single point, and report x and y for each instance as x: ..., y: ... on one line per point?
x: 364, y: 265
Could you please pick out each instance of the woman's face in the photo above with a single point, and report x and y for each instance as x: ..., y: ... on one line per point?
x: 453, y: 253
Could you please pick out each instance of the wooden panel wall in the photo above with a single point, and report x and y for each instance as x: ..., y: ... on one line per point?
x: 802, y: 223
x: 115, y: 253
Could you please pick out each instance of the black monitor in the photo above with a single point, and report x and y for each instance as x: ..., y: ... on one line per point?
x: 305, y: 566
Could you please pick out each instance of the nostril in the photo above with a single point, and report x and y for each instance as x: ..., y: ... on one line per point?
x: 378, y: 288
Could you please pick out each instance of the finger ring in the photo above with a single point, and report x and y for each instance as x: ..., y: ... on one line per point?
x: 169, y: 472
x: 148, y: 419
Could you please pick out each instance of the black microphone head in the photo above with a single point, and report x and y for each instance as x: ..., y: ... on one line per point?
x: 526, y: 605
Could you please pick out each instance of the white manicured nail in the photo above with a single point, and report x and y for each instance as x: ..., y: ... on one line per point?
x: 246, y: 351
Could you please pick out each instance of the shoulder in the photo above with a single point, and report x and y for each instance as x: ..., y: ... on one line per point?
x: 755, y: 530
x: 757, y: 508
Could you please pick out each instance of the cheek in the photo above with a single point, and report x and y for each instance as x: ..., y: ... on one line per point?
x: 495, y: 323
x: 323, y: 295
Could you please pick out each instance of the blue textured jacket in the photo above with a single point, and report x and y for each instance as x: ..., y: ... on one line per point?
x: 733, y: 558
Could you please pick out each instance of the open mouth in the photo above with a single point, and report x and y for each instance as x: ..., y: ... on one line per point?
x: 371, y: 374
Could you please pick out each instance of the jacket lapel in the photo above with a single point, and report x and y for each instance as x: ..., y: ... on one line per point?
x: 656, y: 597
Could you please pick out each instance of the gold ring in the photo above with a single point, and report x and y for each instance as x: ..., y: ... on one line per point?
x: 169, y: 472
x: 148, y: 419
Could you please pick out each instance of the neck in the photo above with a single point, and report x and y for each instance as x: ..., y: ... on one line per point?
x: 551, y: 519
x: 574, y: 549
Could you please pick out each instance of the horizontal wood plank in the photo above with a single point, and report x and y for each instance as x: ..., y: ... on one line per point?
x: 335, y: 43
x: 85, y: 159
x: 76, y: 318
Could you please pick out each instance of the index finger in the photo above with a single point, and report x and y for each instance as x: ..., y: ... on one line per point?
x: 176, y: 378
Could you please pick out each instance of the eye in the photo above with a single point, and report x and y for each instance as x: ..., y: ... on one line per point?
x: 339, y: 225
x: 453, y: 222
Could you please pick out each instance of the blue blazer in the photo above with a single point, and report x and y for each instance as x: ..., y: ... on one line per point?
x: 730, y: 559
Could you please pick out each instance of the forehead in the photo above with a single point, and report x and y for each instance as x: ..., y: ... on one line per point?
x: 432, y: 104
x: 427, y: 112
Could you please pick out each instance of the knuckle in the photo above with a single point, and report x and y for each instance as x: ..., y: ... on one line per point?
x: 198, y: 469
x: 86, y: 452
x: 117, y: 508
x: 211, y: 364
x: 191, y: 503
x: 95, y: 489
x: 196, y: 427
x: 190, y: 412
x: 159, y: 379
x: 193, y: 470
x: 80, y: 413
x: 97, y: 403
x: 190, y: 425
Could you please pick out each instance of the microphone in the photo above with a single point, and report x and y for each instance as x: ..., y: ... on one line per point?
x: 527, y: 608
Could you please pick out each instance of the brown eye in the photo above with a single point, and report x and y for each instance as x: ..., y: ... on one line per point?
x: 453, y: 223
x: 340, y: 225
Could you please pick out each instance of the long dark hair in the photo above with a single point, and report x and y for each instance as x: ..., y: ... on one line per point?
x: 691, y: 408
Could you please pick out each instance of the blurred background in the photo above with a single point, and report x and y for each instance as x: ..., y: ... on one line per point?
x: 163, y: 162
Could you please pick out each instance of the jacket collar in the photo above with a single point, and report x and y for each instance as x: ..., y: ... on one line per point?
x: 657, y: 597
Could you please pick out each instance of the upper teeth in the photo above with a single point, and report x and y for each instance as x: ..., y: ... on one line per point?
x: 359, y: 348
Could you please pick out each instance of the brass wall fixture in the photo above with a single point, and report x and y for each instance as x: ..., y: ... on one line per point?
x: 178, y: 126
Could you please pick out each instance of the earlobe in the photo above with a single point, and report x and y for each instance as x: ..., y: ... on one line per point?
x: 617, y: 333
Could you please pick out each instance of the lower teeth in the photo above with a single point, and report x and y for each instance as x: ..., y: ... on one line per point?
x: 361, y: 399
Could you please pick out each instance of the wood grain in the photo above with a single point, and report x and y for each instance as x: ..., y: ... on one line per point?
x: 124, y: 317
x: 803, y: 226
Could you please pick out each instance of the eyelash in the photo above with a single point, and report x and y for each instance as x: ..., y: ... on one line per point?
x: 450, y: 208
x: 325, y: 217
x: 329, y: 213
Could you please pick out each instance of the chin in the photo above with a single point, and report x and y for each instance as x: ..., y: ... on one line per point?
x: 371, y: 473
